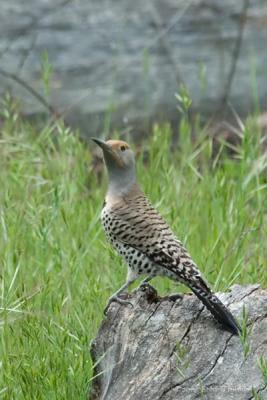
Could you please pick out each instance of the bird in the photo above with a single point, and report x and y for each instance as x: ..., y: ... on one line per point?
x: 144, y: 239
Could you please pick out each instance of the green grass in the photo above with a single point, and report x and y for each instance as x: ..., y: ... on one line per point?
x: 245, y: 333
x: 57, y: 270
x: 262, y: 363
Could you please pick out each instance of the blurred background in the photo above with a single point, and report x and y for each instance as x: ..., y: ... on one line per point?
x: 117, y: 64
x: 150, y: 70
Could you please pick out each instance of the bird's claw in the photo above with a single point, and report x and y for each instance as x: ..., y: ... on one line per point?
x: 117, y: 299
x: 146, y: 285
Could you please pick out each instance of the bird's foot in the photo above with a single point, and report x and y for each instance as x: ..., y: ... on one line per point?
x: 145, y: 285
x: 117, y: 299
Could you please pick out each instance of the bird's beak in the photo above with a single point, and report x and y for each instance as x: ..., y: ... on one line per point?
x: 109, y: 154
x: 104, y: 146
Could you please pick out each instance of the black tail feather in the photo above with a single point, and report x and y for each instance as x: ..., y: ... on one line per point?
x: 217, y: 308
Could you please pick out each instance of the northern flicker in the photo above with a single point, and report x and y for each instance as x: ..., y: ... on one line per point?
x: 143, y: 238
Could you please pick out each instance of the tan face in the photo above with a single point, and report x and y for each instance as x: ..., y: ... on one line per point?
x: 118, y: 145
x: 120, y: 163
x: 116, y: 153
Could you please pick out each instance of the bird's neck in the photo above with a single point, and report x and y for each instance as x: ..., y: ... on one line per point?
x: 116, y: 193
x: 121, y: 183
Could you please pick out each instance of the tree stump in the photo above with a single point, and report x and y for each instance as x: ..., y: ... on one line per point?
x: 162, y: 349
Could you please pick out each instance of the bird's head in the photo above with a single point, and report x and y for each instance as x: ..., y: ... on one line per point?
x: 120, y: 163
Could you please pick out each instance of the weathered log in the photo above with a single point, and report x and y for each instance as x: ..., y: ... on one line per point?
x: 121, y: 62
x: 164, y: 350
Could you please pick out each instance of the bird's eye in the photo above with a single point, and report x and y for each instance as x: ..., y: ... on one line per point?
x: 123, y: 148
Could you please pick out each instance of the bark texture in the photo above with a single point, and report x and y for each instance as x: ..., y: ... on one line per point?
x: 167, y: 350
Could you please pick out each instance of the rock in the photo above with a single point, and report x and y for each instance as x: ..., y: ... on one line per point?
x: 166, y: 350
x: 120, y: 62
